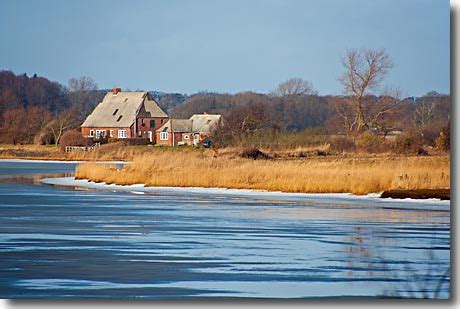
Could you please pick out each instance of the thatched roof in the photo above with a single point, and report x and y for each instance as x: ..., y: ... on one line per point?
x: 196, y: 124
x: 120, y: 110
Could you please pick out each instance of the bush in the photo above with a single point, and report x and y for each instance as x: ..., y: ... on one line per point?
x: 44, y: 137
x: 254, y: 154
x: 135, y: 141
x: 73, y: 138
x: 408, y: 142
x: 429, y: 136
x: 342, y: 144
x: 372, y: 143
x: 443, y: 141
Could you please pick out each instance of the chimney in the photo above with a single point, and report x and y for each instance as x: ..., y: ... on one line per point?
x: 116, y: 90
x: 205, y: 113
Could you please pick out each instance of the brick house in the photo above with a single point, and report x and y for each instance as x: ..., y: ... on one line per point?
x: 125, y: 115
x: 193, y: 131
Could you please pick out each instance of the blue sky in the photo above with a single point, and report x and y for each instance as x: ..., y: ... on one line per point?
x: 224, y: 46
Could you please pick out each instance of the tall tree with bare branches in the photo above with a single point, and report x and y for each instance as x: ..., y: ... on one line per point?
x: 364, y: 72
x: 294, y: 86
x: 424, y: 111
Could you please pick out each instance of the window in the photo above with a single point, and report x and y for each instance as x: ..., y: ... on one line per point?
x: 164, y: 136
x: 115, y: 112
x: 91, y: 133
x: 121, y: 133
x: 208, y: 121
x: 143, y: 122
x: 186, y: 137
x: 119, y: 118
x: 99, y: 133
x: 111, y: 133
x: 152, y: 123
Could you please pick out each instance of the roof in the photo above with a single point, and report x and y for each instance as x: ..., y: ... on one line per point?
x: 153, y: 108
x: 177, y: 125
x: 204, y: 122
x: 196, y: 123
x: 120, y: 110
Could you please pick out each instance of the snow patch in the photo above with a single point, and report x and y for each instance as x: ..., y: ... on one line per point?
x: 142, y: 189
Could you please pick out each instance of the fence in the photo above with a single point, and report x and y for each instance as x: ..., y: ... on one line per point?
x: 82, y: 148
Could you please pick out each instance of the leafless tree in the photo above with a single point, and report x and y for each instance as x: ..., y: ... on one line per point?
x: 424, y: 112
x: 82, y: 96
x: 387, y: 103
x: 364, y: 72
x: 61, y: 123
x: 294, y: 86
x: 82, y: 84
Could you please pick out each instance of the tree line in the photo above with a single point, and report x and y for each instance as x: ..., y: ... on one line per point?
x: 35, y: 109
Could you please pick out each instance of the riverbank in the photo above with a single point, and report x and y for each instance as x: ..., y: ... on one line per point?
x: 357, y: 175
x: 108, y: 152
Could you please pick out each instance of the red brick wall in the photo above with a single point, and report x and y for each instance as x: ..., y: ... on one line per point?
x: 159, y: 122
x: 177, y: 138
x: 86, y: 130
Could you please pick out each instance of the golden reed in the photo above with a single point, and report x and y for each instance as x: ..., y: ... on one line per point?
x: 358, y: 175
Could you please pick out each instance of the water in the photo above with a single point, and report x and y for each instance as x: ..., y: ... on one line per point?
x: 61, y: 242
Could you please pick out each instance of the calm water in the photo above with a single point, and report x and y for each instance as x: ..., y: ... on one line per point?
x: 58, y: 241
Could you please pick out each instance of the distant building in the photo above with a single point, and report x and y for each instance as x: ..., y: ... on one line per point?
x: 123, y: 115
x: 193, y: 131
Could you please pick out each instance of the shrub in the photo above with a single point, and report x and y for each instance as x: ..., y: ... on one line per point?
x: 135, y: 141
x: 73, y: 138
x: 370, y: 142
x: 443, y: 141
x: 429, y: 136
x: 408, y: 142
x: 44, y: 137
x: 254, y: 154
x: 342, y: 144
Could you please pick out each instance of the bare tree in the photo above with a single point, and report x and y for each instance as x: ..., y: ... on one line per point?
x: 294, y: 86
x: 424, y: 112
x: 64, y: 121
x: 82, y: 96
x: 386, y: 103
x: 82, y: 84
x: 364, y: 71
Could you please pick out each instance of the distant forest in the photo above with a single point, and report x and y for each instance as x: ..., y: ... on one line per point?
x: 34, y: 109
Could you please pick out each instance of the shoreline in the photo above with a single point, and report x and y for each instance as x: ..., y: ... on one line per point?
x: 142, y: 189
x: 19, y: 160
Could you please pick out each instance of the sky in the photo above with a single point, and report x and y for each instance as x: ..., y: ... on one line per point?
x: 224, y: 45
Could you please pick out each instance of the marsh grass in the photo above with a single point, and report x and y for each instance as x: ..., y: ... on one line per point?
x: 359, y: 175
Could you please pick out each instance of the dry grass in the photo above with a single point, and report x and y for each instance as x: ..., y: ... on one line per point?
x: 30, y: 152
x: 108, y: 152
x: 359, y: 175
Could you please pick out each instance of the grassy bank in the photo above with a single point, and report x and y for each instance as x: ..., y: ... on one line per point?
x: 108, y: 152
x: 331, y: 174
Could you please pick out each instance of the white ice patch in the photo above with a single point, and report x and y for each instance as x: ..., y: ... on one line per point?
x: 275, y: 195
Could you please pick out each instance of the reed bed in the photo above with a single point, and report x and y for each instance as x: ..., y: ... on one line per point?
x: 358, y: 175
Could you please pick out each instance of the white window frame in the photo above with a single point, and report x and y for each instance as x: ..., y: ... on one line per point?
x: 186, y: 136
x: 91, y: 133
x: 100, y: 133
x: 111, y: 133
x: 164, y: 136
x: 121, y: 133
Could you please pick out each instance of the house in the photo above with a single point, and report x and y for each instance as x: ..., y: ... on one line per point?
x: 123, y: 115
x: 193, y: 131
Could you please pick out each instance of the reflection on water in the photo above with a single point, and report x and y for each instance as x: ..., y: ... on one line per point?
x: 60, y: 242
